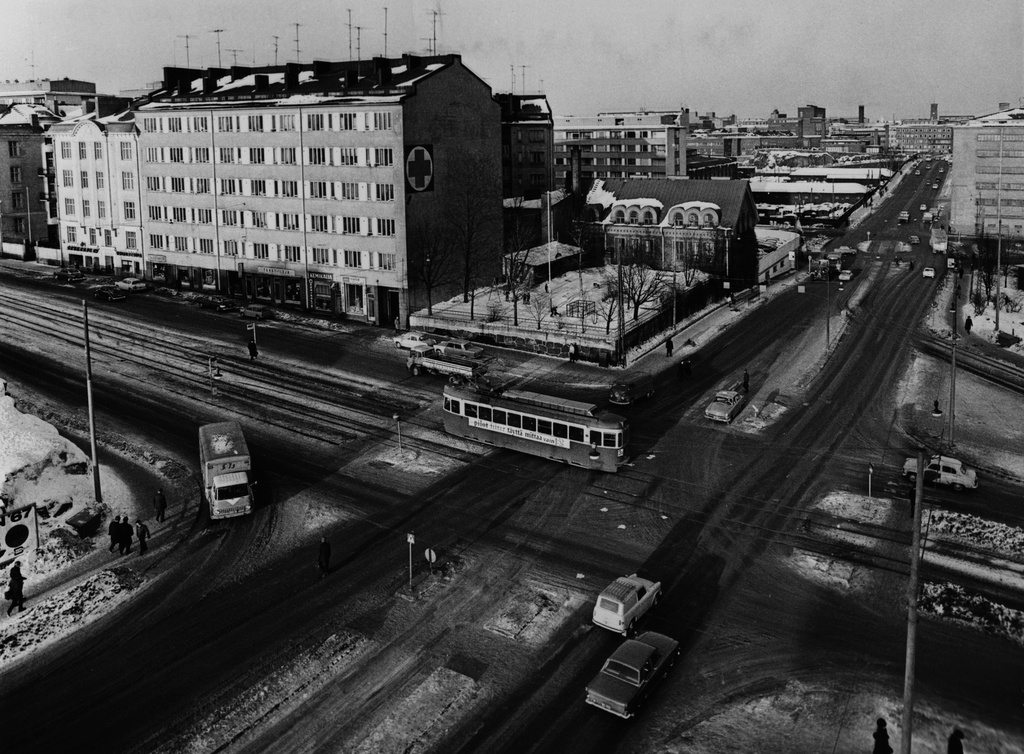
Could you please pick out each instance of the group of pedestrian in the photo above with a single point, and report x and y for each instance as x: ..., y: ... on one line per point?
x: 121, y: 533
x: 16, y: 589
x: 954, y: 743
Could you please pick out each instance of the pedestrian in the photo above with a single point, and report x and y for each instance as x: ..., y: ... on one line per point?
x: 668, y: 348
x: 126, y: 536
x: 572, y: 352
x: 968, y: 324
x: 114, y: 530
x: 954, y: 746
x: 685, y: 368
x: 746, y: 382
x: 911, y: 264
x: 253, y: 350
x: 324, y: 561
x: 398, y: 323
x: 912, y: 499
x: 160, y: 504
x: 16, y: 589
x: 881, y: 736
x: 142, y: 534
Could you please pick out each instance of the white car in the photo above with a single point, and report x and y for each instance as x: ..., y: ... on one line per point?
x: 725, y: 407
x: 943, y: 470
x: 929, y: 272
x: 923, y: 207
x: 459, y: 349
x: 413, y: 341
x: 132, y: 284
x: 845, y: 276
x: 624, y: 602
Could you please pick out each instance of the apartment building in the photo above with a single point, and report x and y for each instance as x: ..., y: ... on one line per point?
x: 301, y: 185
x: 99, y: 199
x: 922, y: 136
x: 526, y: 143
x: 987, y: 175
x: 23, y: 166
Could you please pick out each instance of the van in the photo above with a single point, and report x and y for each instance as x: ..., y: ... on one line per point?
x: 629, y: 391
x: 258, y: 311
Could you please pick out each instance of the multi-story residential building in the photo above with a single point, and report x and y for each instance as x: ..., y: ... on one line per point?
x: 99, y: 192
x: 526, y: 143
x: 922, y: 136
x: 64, y: 97
x: 23, y: 172
x: 309, y: 185
x: 619, y: 145
x: 987, y: 175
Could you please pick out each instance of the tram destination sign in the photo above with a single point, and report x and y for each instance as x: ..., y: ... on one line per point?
x: 562, y: 442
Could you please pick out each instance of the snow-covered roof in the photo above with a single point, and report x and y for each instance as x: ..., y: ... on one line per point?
x: 22, y: 115
x: 806, y: 187
x: 1012, y: 117
x: 640, y: 202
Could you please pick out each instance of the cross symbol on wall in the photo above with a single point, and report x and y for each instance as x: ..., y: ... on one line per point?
x: 419, y: 168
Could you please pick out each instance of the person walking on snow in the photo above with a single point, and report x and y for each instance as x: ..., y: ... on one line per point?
x: 160, y: 503
x: 881, y: 736
x: 746, y: 382
x: 126, y: 536
x: 968, y: 324
x: 954, y: 746
x: 16, y: 588
x: 324, y: 561
x: 142, y: 534
x: 114, y: 530
x: 253, y: 351
x: 668, y: 348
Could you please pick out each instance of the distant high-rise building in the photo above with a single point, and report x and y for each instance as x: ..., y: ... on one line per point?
x: 526, y: 145
x: 935, y: 112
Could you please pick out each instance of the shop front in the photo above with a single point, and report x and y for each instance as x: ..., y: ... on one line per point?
x: 274, y: 285
x: 84, y: 257
x: 356, y: 304
x: 159, y: 270
x: 129, y: 262
x: 324, y: 294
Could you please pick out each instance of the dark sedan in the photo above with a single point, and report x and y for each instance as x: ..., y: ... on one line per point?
x: 628, y: 675
x: 218, y: 304
x: 109, y: 293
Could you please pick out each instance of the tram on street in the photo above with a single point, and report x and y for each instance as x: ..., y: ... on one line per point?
x: 573, y: 432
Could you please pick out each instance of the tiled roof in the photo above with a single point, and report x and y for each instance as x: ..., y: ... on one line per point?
x: 729, y: 195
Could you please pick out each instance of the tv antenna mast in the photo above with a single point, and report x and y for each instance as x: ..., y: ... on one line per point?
x: 349, y: 25
x: 433, y: 37
x: 297, y: 58
x: 234, y: 56
x: 385, y: 31
x: 275, y: 48
x: 186, y: 37
x: 218, y: 33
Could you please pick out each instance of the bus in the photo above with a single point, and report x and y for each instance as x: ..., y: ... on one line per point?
x: 573, y: 432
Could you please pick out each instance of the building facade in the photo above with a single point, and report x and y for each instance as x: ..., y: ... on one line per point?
x: 922, y: 136
x: 63, y: 97
x: 23, y: 169
x: 987, y: 176
x: 527, y: 134
x: 300, y: 185
x: 99, y: 193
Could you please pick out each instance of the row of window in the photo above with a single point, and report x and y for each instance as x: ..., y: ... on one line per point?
x: 68, y: 179
x: 1005, y: 137
x: 66, y: 151
x: 344, y: 225
x: 1000, y: 153
x: 354, y: 121
x: 1001, y: 202
x: 328, y: 156
x: 678, y: 219
x: 537, y: 424
x: 94, y: 235
x: 572, y: 135
x: 70, y: 208
x: 992, y: 186
x: 349, y: 258
x: 999, y: 170
x: 339, y: 190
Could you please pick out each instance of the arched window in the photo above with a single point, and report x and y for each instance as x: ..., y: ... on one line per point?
x: 678, y: 219
x: 709, y: 219
x: 692, y: 219
x: 620, y: 216
x: 634, y: 217
x: 648, y: 218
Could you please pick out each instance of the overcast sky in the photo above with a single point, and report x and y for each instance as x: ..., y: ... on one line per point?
x: 746, y: 57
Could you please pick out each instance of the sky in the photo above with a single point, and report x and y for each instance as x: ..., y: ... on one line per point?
x: 743, y: 57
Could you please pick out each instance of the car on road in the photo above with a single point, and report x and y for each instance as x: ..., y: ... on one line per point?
x: 943, y: 470
x: 845, y: 276
x: 917, y: 172
x: 109, y: 293
x: 725, y: 407
x: 459, y: 349
x: 624, y: 602
x: 69, y: 275
x: 132, y: 284
x: 915, y: 239
x: 257, y: 311
x: 627, y: 677
x: 935, y: 185
x: 218, y: 303
x: 414, y: 341
x: 929, y: 272
x: 628, y: 392
x: 923, y: 208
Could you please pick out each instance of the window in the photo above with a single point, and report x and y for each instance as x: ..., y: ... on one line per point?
x: 349, y: 156
x: 385, y: 192
x: 259, y: 219
x: 386, y: 261
x: 126, y: 150
x: 347, y: 121
x: 15, y: 174
x: 101, y: 210
x: 155, y: 212
x: 178, y: 185
x: 69, y: 206
x: 152, y: 154
x: 86, y: 208
x: 255, y: 122
x: 226, y: 123
x: 385, y: 226
x: 350, y: 225
x: 227, y: 154
x: 205, y: 245
x: 179, y: 214
x: 180, y: 243
x: 201, y: 154
x: 202, y: 185
x: 97, y: 150
x: 130, y: 241
x: 286, y: 122
x: 228, y: 186
x: 204, y: 216
x: 230, y: 216
x: 317, y: 156
x: 17, y: 200
x: 288, y: 221
x: 129, y: 210
x: 383, y: 157
x: 315, y: 122
x: 382, y: 121
x: 177, y: 154
x: 257, y: 156
x: 289, y: 188
x: 353, y: 258
x: 287, y: 155
x: 261, y: 251
x: 149, y: 125
x: 128, y: 181
x: 83, y: 150
x: 258, y: 188
x: 292, y: 254
x: 106, y: 237
x: 65, y: 149
x: 156, y: 241
x: 153, y: 183
x: 174, y: 125
x: 318, y: 190
x: 72, y: 233
x: 231, y: 248
x: 68, y: 177
x: 100, y: 181
x: 200, y: 124
x: 318, y: 223
x: 350, y: 191
x: 320, y: 256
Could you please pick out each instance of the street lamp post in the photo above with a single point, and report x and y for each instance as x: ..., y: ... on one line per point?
x: 213, y: 371
x: 952, y: 381
x: 398, y: 420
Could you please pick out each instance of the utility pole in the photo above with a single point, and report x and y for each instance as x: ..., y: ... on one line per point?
x: 952, y: 382
x: 275, y: 49
x: 92, y: 415
x: 297, y: 58
x: 349, y: 24
x: 186, y: 37
x: 385, y: 31
x: 218, y: 33
x: 999, y: 223
x: 912, y: 590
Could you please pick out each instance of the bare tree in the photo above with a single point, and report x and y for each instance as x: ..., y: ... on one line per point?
x: 540, y: 308
x: 641, y: 284
x: 433, y: 259
x: 608, y: 305
x: 519, y: 239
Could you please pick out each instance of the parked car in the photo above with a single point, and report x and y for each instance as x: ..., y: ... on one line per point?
x: 845, y: 276
x: 109, y: 293
x: 923, y: 208
x: 725, y: 407
x: 915, y: 239
x: 935, y: 185
x: 218, y: 303
x: 459, y: 348
x: 632, y: 670
x: 929, y: 272
x: 69, y: 275
x: 258, y: 311
x: 132, y: 284
x: 413, y: 340
x: 624, y: 602
x: 628, y: 392
x: 917, y: 172
x: 943, y: 470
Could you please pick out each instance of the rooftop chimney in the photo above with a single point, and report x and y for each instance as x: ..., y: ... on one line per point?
x: 291, y: 75
x: 262, y: 82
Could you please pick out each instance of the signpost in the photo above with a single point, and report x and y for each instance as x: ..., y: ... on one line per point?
x: 411, y: 539
x: 251, y: 327
x: 871, y: 470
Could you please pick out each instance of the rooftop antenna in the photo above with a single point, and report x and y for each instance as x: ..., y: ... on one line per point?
x: 32, y: 64
x: 385, y: 31
x: 359, y: 49
x: 234, y: 56
x: 275, y: 48
x: 427, y: 40
x: 186, y: 37
x: 433, y: 46
x: 512, y: 67
x: 349, y: 25
x: 523, y: 82
x: 297, y: 58
x: 218, y: 33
